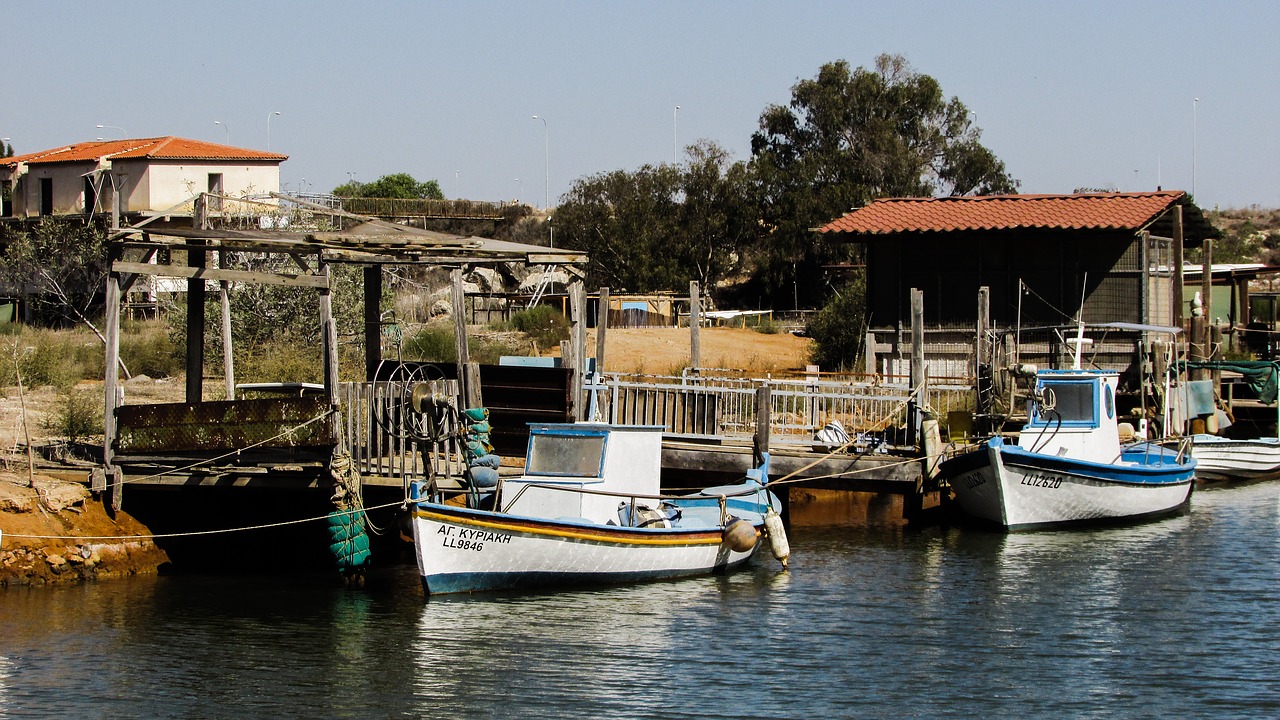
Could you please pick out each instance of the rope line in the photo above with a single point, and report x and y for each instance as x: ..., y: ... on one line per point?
x: 200, y: 532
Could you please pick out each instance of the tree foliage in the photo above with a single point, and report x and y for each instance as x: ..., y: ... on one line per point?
x: 59, y: 267
x: 660, y: 226
x: 838, y: 330
x: 396, y: 185
x: 851, y: 136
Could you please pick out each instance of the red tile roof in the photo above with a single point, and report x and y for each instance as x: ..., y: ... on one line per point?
x: 1094, y: 211
x: 161, y: 148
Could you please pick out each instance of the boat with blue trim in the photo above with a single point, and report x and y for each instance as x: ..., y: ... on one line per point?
x: 1068, y: 465
x: 588, y: 509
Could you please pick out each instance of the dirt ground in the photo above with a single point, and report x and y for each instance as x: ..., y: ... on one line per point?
x: 665, y: 351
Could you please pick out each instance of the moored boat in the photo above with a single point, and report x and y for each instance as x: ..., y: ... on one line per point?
x: 1225, y: 459
x: 587, y: 510
x: 1068, y: 465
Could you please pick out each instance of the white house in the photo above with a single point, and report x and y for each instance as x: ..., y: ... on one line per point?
x: 149, y: 174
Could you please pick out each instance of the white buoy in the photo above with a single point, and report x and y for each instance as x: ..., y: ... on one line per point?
x: 777, y: 536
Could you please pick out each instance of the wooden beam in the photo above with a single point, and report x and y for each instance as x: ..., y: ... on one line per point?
x: 695, y: 313
x: 203, y: 273
x: 578, y: 337
x: 602, y: 327
x: 195, y: 324
x: 1178, y: 278
x: 372, y: 320
x: 330, y: 330
x: 461, y: 348
x: 110, y: 385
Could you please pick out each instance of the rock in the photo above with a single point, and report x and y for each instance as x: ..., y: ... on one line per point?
x: 58, y: 496
x: 56, y: 562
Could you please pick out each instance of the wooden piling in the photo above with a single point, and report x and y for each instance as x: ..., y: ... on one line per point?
x: 695, y: 320
x: 372, y: 320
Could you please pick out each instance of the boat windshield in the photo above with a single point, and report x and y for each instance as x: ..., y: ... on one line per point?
x: 566, y: 455
x: 1072, y: 402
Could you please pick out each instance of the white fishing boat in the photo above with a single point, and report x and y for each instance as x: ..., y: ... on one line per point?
x: 1230, y: 459
x: 588, y: 509
x: 1224, y: 459
x: 1068, y: 465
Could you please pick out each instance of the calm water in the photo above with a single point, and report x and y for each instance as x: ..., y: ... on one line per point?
x: 1176, y: 617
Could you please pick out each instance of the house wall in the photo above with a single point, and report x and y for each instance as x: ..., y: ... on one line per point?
x: 68, y: 189
x: 170, y: 183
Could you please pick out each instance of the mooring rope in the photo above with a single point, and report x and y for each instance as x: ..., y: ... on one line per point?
x: 197, y: 533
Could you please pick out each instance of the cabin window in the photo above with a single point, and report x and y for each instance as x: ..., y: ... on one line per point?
x: 1073, y: 402
x: 579, y: 455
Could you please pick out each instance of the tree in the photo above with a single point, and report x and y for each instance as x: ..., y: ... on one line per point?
x: 660, y: 226
x: 58, y: 266
x: 848, y: 137
x: 397, y: 185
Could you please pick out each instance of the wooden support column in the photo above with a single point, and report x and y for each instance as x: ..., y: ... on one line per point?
x: 869, y: 354
x: 578, y: 338
x: 1178, y: 277
x: 372, y: 320
x: 329, y: 335
x: 602, y: 327
x: 981, y: 356
x: 1206, y: 282
x: 460, y: 345
x: 918, y: 379
x: 695, y: 320
x: 195, y: 326
x: 228, y: 356
x: 111, y: 391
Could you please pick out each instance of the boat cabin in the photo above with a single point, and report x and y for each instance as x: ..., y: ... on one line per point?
x: 1073, y: 414
x: 584, y: 470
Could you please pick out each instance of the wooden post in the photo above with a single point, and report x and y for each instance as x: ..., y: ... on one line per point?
x: 1206, y: 282
x: 918, y: 379
x: 1178, y: 278
x: 228, y: 356
x: 474, y: 397
x: 195, y: 326
x: 869, y: 354
x: 981, y: 356
x: 602, y: 327
x: 460, y: 330
x: 330, y: 330
x: 372, y: 320
x: 764, y: 405
x: 111, y: 385
x: 695, y: 319
x: 578, y: 338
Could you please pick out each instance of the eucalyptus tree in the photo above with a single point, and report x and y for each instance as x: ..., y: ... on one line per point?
x: 850, y: 136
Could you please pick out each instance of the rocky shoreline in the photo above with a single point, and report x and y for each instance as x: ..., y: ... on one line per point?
x: 54, y: 531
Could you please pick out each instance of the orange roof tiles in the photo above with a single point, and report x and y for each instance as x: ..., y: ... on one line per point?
x: 1094, y: 211
x: 161, y: 148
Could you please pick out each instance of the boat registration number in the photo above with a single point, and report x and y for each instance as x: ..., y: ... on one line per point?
x: 971, y: 480
x: 470, y: 538
x: 1052, y: 482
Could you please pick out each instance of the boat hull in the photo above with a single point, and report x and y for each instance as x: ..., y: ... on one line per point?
x: 1023, y: 490
x: 464, y: 550
x: 1223, y: 459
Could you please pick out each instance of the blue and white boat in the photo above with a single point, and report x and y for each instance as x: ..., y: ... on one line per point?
x: 588, y: 509
x: 1068, y: 465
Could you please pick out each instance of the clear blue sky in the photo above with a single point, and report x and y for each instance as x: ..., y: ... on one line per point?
x: 1068, y: 94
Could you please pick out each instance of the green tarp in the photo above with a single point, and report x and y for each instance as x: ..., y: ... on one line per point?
x: 1261, y: 375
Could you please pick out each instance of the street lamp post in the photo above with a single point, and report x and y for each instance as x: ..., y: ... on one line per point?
x: 225, y: 129
x: 1194, y: 103
x: 276, y: 112
x: 675, y: 145
x: 114, y: 127
x: 546, y: 138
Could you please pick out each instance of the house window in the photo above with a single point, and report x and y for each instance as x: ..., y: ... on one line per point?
x: 215, y: 188
x: 46, y: 196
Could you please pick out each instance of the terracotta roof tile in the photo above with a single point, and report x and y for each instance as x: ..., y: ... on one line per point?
x: 1095, y: 211
x: 161, y: 148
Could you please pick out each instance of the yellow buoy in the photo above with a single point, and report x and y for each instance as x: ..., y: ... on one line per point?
x: 740, y: 535
x: 777, y: 536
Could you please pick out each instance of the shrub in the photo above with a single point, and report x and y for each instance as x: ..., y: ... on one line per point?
x: 76, y: 417
x: 545, y: 325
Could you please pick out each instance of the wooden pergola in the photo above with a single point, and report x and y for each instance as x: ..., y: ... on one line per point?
x: 163, y: 432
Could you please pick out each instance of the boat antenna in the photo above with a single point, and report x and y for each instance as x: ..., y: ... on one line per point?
x: 1017, y: 338
x: 1080, y: 341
